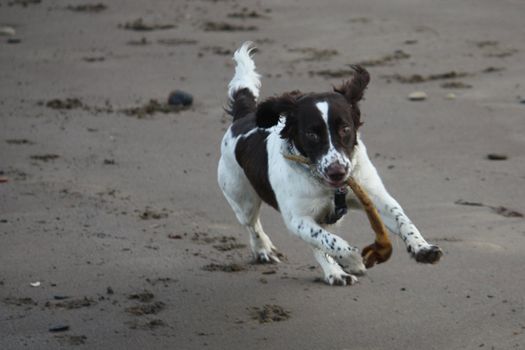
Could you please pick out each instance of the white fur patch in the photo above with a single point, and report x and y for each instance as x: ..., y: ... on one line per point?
x: 332, y: 155
x: 323, y: 108
x: 245, y: 74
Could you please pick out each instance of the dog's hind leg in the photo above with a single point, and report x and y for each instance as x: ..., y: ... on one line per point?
x: 262, y: 247
x: 246, y: 208
x: 246, y: 204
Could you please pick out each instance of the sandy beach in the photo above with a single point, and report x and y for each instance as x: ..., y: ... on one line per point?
x: 115, y: 235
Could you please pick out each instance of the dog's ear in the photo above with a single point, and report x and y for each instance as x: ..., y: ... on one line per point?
x: 354, y: 89
x: 269, y: 111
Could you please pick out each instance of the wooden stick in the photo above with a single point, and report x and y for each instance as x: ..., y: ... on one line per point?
x: 379, y: 251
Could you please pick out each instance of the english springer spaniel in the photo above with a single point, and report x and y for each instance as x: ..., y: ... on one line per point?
x: 322, y: 127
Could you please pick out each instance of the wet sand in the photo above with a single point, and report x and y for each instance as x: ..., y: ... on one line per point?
x: 113, y: 206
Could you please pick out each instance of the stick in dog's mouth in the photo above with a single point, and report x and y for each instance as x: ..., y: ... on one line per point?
x: 379, y: 251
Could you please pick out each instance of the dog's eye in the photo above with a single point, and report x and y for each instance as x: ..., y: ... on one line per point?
x: 312, y: 136
x: 345, y: 131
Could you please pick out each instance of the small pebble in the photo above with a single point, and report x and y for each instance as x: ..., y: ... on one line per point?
x: 14, y: 41
x: 7, y: 31
x: 522, y: 102
x: 450, y: 96
x: 180, y: 98
x: 35, y: 284
x: 496, y: 156
x: 417, y: 96
x: 59, y: 328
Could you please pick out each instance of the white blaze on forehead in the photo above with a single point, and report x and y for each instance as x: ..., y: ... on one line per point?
x: 332, y: 155
x: 323, y: 108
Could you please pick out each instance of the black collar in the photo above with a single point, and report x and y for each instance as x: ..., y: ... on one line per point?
x: 340, y: 206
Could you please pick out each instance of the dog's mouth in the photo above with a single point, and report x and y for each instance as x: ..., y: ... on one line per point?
x: 335, y: 175
x: 335, y: 183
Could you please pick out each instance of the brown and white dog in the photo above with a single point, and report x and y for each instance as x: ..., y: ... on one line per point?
x: 322, y: 127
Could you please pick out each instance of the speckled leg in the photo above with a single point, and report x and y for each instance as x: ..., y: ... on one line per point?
x: 333, y: 272
x: 347, y: 256
x: 391, y: 212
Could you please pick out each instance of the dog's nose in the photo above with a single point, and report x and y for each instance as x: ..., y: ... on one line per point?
x: 336, y: 172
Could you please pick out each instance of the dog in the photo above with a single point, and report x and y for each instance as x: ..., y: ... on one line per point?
x: 324, y: 128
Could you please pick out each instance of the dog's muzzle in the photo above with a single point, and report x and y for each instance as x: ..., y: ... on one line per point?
x: 336, y: 174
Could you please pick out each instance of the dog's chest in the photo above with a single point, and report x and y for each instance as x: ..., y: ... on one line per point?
x: 318, y: 207
x: 303, y: 195
x: 325, y: 208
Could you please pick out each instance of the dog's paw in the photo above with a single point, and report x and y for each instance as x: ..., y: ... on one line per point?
x: 334, y: 275
x: 352, y: 262
x: 427, y: 255
x: 270, y: 256
x: 340, y: 279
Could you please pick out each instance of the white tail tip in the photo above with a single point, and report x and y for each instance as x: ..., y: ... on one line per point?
x: 245, y: 74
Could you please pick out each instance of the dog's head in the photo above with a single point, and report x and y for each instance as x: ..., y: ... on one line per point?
x: 322, y: 127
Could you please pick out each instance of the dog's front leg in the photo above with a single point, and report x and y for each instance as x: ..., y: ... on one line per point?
x: 333, y: 272
x: 391, y: 212
x: 338, y: 259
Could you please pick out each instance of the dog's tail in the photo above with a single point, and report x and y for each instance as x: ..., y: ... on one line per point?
x: 243, y: 89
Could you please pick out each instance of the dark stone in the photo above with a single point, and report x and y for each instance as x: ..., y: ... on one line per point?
x: 59, y: 328
x: 497, y: 156
x: 180, y: 98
